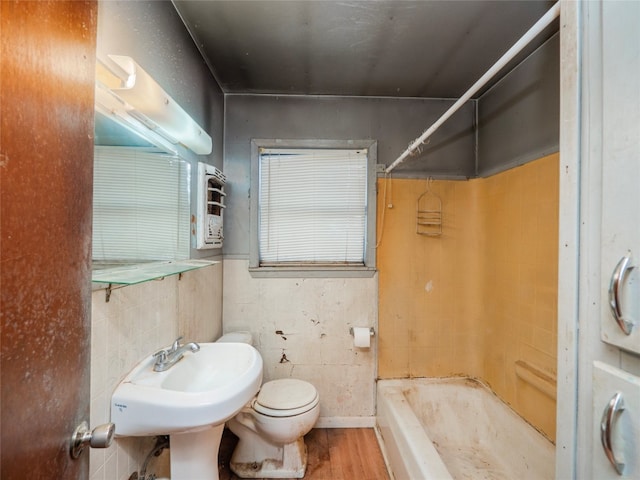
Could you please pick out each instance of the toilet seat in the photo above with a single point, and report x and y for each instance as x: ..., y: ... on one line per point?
x: 285, y: 398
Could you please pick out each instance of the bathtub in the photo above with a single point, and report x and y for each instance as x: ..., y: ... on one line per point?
x: 456, y: 428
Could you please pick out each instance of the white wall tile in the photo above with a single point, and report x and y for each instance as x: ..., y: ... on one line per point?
x: 98, y: 474
x: 198, y: 296
x: 314, y: 314
x: 111, y: 465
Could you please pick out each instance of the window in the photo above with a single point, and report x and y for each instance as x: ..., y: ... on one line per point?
x: 314, y: 209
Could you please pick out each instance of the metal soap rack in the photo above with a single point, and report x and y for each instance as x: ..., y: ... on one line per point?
x: 429, y: 213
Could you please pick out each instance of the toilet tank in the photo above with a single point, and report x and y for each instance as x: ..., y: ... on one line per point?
x: 237, y: 337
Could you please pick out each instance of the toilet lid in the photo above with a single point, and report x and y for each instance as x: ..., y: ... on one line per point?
x: 285, y: 394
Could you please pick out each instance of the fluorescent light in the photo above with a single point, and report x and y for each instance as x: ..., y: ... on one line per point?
x: 144, y: 99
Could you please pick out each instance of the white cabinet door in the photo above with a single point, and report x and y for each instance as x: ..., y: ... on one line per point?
x: 621, y: 174
x: 616, y: 404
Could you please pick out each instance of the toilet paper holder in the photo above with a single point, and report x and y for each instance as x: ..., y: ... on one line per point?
x: 371, y: 331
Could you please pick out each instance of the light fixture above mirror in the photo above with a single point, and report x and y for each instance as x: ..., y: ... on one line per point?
x: 129, y: 95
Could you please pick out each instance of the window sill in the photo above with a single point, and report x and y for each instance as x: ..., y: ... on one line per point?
x: 312, y: 272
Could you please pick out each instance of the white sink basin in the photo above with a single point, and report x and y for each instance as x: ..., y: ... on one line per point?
x: 205, y: 388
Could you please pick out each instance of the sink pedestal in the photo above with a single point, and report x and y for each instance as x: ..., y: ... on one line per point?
x: 194, y: 455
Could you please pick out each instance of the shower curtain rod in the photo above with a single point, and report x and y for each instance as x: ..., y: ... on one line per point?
x: 540, y: 25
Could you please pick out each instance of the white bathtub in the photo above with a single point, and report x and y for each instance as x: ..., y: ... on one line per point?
x: 456, y: 428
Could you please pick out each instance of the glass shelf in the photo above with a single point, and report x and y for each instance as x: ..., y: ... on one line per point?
x: 143, y: 272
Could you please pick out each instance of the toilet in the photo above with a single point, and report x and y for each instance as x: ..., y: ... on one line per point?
x: 271, y: 428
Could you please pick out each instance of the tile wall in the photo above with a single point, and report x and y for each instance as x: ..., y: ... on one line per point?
x: 301, y: 328
x: 482, y: 296
x: 137, y: 321
x: 429, y: 308
x: 520, y: 285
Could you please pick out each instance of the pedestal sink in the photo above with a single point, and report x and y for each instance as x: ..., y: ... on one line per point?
x: 191, y: 401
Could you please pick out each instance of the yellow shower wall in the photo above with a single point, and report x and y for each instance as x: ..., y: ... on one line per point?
x: 429, y: 304
x: 483, y: 295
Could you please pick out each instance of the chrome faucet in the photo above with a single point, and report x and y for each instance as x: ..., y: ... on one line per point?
x: 168, y: 357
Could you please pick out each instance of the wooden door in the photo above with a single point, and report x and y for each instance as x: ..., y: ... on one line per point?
x: 47, y: 65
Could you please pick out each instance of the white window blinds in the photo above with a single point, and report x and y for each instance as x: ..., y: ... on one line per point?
x: 141, y: 205
x: 312, y: 206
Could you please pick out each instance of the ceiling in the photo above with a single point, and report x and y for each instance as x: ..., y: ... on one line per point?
x: 397, y: 48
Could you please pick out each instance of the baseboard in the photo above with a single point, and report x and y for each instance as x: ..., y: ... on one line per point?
x: 346, y: 422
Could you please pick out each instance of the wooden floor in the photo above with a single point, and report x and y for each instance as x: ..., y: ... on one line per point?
x: 334, y: 454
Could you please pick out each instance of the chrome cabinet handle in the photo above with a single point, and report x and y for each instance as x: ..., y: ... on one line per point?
x: 615, y: 406
x: 614, y: 293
